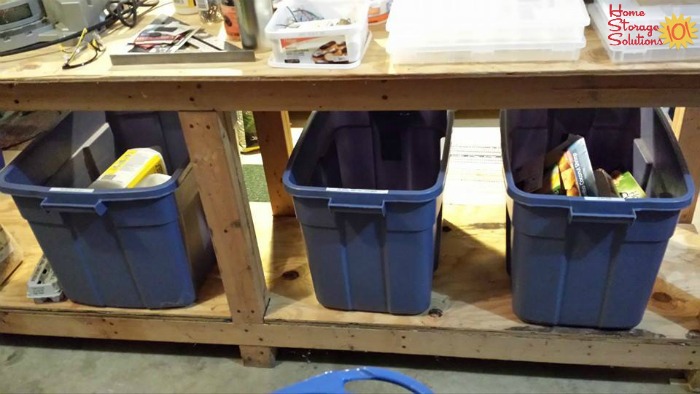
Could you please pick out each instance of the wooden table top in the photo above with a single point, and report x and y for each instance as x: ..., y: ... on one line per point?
x: 376, y: 83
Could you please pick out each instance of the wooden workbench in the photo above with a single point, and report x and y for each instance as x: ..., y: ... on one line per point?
x: 261, y: 296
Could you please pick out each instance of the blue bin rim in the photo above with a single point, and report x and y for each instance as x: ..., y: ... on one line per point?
x: 141, y: 193
x: 600, y: 204
x: 327, y: 193
x: 21, y: 190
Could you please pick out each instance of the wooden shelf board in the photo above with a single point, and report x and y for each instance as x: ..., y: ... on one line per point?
x: 593, y: 80
x: 471, y: 286
x: 45, y: 64
x: 211, y: 304
x: 483, y: 325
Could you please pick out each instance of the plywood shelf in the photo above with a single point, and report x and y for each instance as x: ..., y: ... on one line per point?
x: 44, y: 65
x: 593, y: 80
x: 211, y: 302
x: 471, y: 288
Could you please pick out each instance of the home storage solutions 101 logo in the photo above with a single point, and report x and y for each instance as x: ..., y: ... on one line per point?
x: 626, y: 30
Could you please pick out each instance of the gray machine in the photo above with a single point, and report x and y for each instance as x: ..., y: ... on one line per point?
x: 26, y: 22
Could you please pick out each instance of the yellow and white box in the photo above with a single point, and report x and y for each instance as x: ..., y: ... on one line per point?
x: 130, y: 169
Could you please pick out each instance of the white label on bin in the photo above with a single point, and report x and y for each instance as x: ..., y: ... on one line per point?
x: 336, y: 189
x: 71, y: 190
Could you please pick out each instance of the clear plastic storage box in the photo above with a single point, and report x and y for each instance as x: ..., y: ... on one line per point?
x: 452, y: 31
x: 626, y: 45
x: 324, y: 43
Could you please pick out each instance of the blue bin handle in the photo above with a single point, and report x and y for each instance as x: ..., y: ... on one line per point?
x: 333, y: 382
x: 596, y: 217
x: 357, y: 208
x: 97, y: 207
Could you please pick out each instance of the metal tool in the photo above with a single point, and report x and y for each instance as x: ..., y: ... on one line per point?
x: 199, y: 47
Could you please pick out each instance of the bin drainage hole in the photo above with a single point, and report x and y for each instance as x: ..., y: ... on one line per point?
x: 661, y: 297
x: 446, y: 229
x: 290, y: 275
x: 435, y: 312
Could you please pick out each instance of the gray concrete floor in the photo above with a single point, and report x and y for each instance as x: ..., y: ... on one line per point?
x: 61, y: 365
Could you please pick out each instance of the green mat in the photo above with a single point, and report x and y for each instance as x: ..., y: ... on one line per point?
x: 254, y: 176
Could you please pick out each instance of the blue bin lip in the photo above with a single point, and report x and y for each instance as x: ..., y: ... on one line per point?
x: 142, y: 193
x: 381, y: 195
x: 82, y: 194
x: 340, y: 194
x: 601, y: 204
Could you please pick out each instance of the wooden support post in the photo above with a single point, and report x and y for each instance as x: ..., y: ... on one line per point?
x: 274, y: 137
x: 686, y: 126
x: 217, y: 168
x: 693, y: 378
x: 258, y: 356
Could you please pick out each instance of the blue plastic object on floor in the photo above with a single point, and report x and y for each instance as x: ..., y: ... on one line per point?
x: 333, y: 382
x: 592, y: 262
x: 117, y: 248
x: 367, y: 189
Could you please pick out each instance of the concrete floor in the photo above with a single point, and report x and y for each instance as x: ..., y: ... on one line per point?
x: 60, y: 365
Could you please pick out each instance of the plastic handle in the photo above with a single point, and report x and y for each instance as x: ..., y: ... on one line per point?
x: 357, y: 208
x: 98, y: 207
x: 612, y: 218
x: 335, y: 381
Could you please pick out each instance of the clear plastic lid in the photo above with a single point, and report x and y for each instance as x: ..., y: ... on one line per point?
x: 440, y: 17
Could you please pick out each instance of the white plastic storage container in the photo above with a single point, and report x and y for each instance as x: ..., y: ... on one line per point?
x: 625, y: 45
x: 324, y: 43
x: 525, y: 52
x: 452, y: 31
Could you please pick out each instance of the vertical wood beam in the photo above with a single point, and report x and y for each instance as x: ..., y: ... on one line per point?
x: 217, y: 168
x: 258, y: 356
x: 274, y: 137
x: 686, y: 127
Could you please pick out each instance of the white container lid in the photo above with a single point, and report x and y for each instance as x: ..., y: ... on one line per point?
x: 443, y: 17
x: 465, y: 25
x: 625, y: 45
x: 492, y: 47
x: 355, y: 10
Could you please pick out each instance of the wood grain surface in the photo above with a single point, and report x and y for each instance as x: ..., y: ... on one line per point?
x: 35, y: 81
x: 471, y: 289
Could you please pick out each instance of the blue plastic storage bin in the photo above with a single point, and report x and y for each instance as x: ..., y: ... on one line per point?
x: 592, y: 262
x: 367, y: 189
x: 134, y: 248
